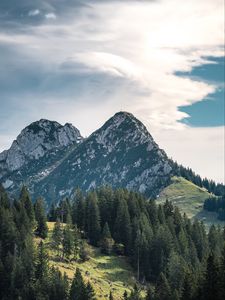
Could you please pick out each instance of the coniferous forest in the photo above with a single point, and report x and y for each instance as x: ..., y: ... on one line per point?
x: 172, y: 257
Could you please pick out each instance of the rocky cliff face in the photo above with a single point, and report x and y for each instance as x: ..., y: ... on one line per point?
x: 122, y: 153
x: 53, y: 159
x: 40, y: 141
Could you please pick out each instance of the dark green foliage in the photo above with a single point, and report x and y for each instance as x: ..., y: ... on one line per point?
x: 79, y: 290
x: 42, y: 262
x: 93, y: 219
x: 216, y: 204
x: 211, y: 289
x: 106, y: 242
x: 163, y: 290
x: 122, y: 228
x: 90, y: 292
x: 57, y: 236
x: 180, y: 259
x: 27, y: 204
x: 68, y: 241
x: 40, y: 215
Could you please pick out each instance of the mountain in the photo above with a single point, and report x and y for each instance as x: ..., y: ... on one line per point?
x: 53, y: 159
x: 36, y: 151
x: 122, y: 153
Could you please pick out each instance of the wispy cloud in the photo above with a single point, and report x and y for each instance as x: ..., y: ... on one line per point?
x: 33, y: 13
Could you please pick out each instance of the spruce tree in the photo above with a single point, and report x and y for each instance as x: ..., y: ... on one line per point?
x: 57, y: 236
x: 123, y: 225
x: 42, y: 262
x: 163, y: 290
x: 40, y: 215
x: 68, y: 241
x: 212, y: 279
x: 93, y: 219
x: 106, y: 242
x: 27, y: 204
x: 90, y: 293
x: 78, y: 287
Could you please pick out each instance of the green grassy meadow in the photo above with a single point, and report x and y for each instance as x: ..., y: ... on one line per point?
x: 189, y: 198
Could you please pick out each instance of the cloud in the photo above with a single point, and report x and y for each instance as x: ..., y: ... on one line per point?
x: 33, y: 13
x: 99, y: 57
x: 50, y: 16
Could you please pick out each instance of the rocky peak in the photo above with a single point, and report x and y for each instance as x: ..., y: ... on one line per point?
x: 123, y: 127
x: 35, y: 141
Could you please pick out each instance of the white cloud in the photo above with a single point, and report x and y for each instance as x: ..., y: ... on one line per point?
x: 33, y: 13
x: 50, y: 16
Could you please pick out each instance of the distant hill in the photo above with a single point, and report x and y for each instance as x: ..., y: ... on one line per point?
x: 189, y: 198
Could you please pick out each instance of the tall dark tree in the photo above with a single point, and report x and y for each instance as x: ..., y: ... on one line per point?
x: 40, y: 215
x: 27, y: 204
x: 122, y: 228
x: 78, y: 287
x: 42, y: 262
x: 57, y: 236
x: 93, y: 219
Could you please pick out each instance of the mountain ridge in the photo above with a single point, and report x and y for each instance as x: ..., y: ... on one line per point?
x: 121, y: 153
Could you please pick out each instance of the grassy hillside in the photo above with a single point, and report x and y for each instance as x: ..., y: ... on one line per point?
x: 189, y: 198
x: 104, y: 272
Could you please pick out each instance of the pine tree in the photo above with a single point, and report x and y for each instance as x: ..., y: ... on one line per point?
x: 40, y: 215
x: 52, y: 215
x: 78, y: 210
x: 163, y: 290
x: 58, y: 286
x: 42, y: 262
x: 90, y: 292
x: 27, y: 204
x: 211, y: 285
x: 93, y: 219
x: 68, y: 241
x: 123, y: 225
x: 78, y: 288
x: 106, y: 242
x: 57, y: 236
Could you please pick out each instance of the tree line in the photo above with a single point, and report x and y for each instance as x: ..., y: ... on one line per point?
x: 210, y: 185
x: 216, y: 204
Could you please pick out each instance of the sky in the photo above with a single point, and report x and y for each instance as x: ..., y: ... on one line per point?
x: 82, y: 61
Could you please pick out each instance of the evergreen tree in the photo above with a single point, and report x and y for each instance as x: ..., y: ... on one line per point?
x: 58, y: 286
x: 106, y: 242
x: 27, y: 204
x: 57, y: 236
x: 42, y: 262
x: 163, y: 290
x: 78, y: 210
x: 212, y: 280
x: 40, y: 215
x: 93, y: 219
x: 123, y: 225
x: 78, y: 288
x: 90, y: 292
x: 68, y: 241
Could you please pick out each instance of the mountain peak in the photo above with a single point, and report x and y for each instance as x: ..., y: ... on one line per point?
x: 35, y: 141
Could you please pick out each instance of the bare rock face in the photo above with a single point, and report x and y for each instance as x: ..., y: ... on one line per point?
x: 53, y: 159
x: 122, y: 153
x: 35, y: 141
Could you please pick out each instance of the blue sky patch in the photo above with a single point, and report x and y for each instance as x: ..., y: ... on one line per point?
x: 209, y: 112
